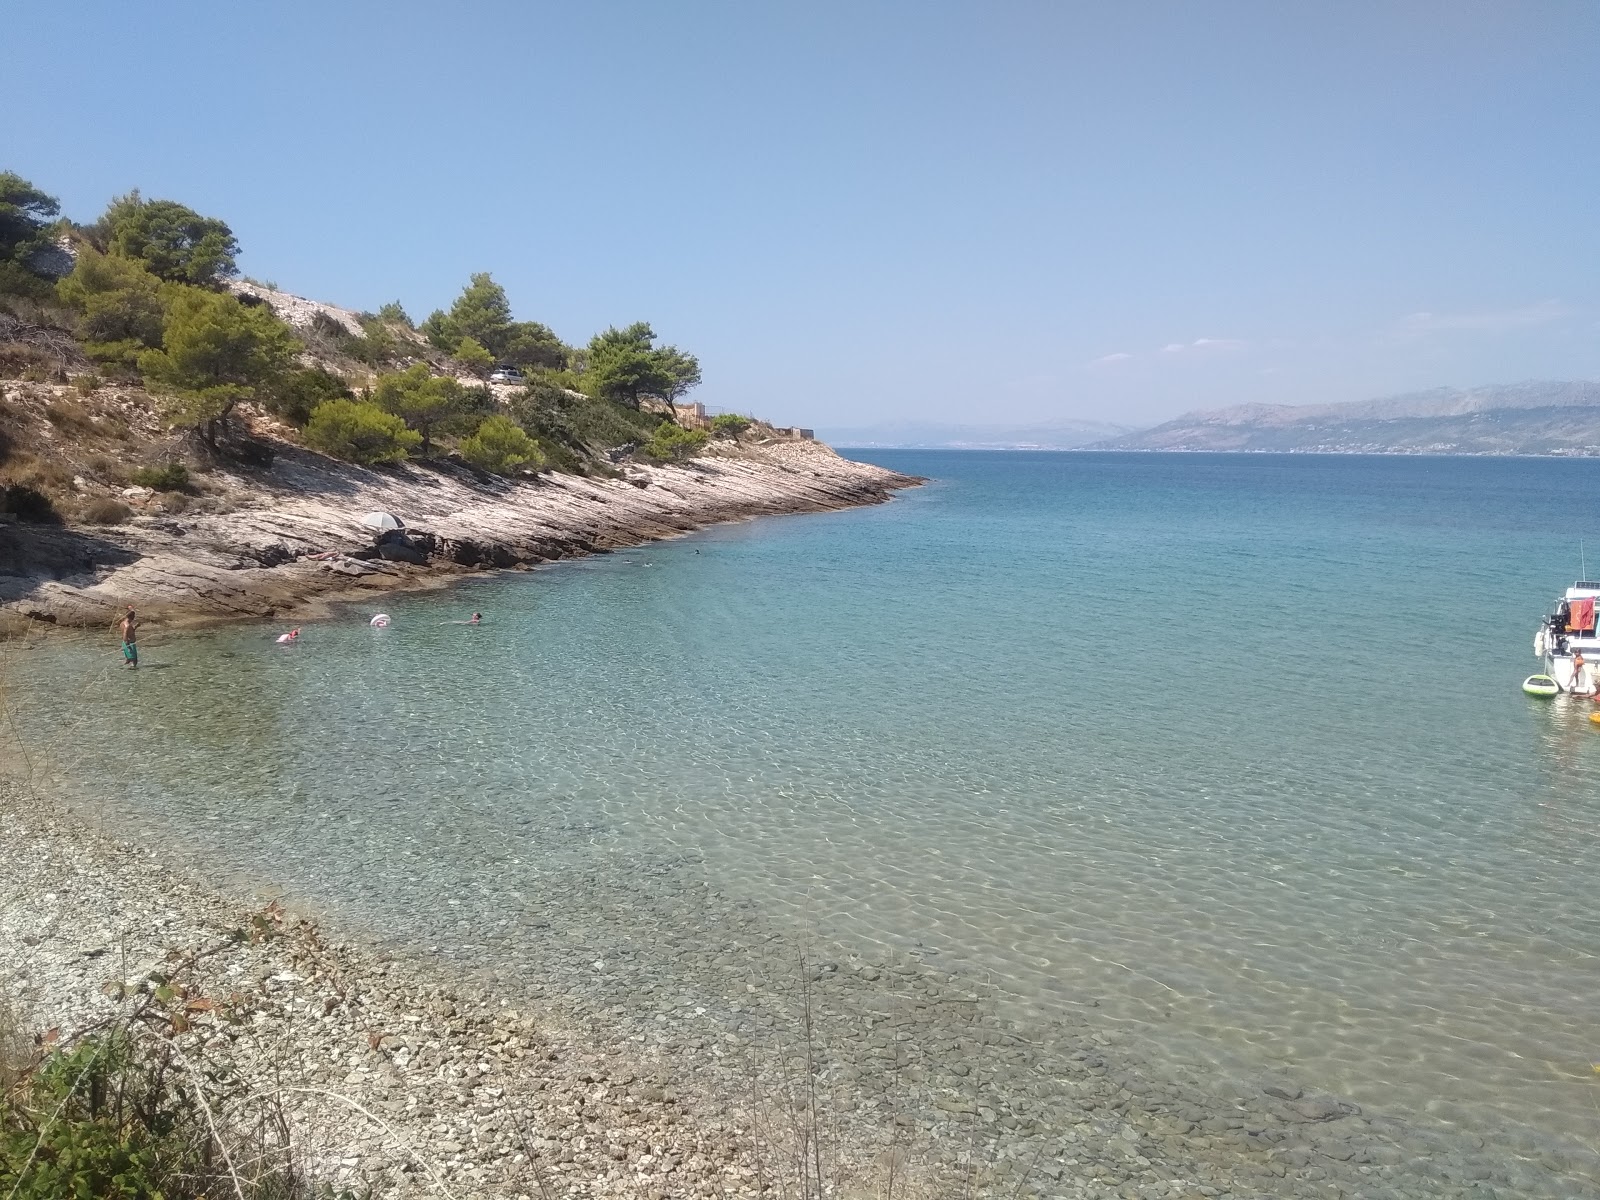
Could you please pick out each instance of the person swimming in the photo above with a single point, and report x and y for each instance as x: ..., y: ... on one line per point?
x: 477, y: 618
x: 293, y: 635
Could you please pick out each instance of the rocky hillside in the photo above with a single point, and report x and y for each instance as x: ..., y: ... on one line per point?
x: 1526, y: 418
x: 285, y: 535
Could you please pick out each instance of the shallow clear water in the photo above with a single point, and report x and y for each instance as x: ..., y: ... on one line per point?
x: 1231, y: 747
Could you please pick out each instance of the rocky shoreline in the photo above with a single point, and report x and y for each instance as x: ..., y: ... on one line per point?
x: 256, y: 561
x: 651, y: 1037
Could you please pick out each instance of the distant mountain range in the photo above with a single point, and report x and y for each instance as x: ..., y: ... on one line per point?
x: 928, y: 435
x: 1521, y: 418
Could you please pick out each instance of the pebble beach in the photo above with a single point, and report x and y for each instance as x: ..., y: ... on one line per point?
x: 671, y: 1042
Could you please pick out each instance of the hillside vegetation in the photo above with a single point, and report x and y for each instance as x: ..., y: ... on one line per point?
x: 133, y: 354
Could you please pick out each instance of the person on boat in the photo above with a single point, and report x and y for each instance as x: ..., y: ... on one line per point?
x: 1577, y: 676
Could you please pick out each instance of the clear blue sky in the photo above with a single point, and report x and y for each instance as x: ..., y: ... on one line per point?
x: 856, y: 212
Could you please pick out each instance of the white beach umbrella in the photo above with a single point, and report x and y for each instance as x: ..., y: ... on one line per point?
x: 382, y: 521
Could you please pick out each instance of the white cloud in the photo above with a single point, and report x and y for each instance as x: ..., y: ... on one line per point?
x: 1205, y: 343
x: 1422, y: 324
x: 1109, y: 360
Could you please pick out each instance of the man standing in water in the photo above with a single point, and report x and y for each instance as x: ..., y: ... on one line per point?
x: 130, y: 638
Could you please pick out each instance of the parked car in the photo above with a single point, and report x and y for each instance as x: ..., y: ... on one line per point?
x: 506, y: 375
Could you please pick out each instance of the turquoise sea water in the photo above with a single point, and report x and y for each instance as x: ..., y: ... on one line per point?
x: 1230, y: 748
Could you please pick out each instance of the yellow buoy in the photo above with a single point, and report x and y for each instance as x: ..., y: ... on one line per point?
x: 1595, y: 717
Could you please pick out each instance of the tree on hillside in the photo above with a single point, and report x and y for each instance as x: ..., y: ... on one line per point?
x: 474, y: 357
x: 215, y: 352
x: 423, y: 401
x: 393, y: 311
x: 175, y: 242
x: 682, y: 372
x: 483, y: 314
x: 25, y: 225
x: 624, y: 365
x: 530, y: 344
x: 26, y: 214
x: 119, y: 305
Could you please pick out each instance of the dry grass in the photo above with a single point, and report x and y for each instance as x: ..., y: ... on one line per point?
x: 105, y: 511
x: 52, y: 476
x: 69, y: 416
x: 16, y: 1043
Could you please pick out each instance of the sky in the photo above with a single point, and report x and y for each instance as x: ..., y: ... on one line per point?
x: 859, y: 213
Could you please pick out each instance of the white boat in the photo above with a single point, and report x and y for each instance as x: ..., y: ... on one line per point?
x: 1567, y: 641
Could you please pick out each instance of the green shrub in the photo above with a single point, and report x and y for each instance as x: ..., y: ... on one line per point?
x: 393, y: 311
x: 501, y: 446
x: 673, y: 443
x: 298, y: 393
x: 168, y: 477
x: 75, y: 1133
x: 359, y: 432
x: 116, y: 1117
x: 28, y: 504
x: 729, y: 425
